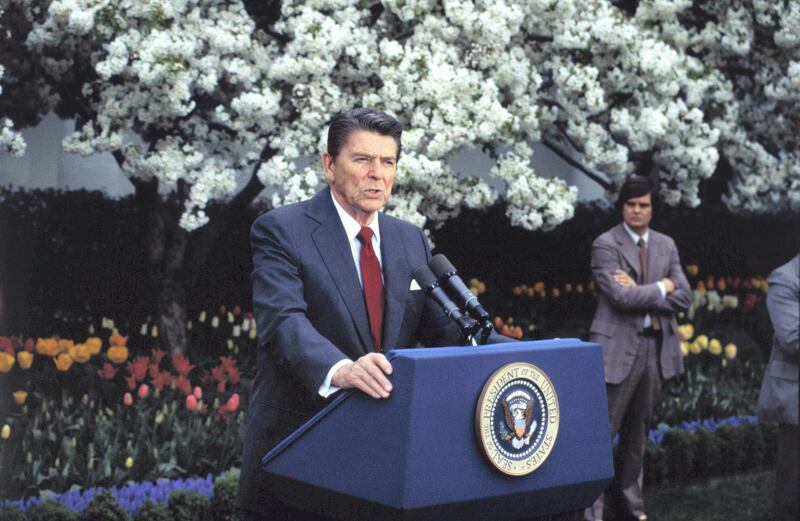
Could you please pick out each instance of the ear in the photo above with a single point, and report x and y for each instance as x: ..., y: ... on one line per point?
x: 328, y: 167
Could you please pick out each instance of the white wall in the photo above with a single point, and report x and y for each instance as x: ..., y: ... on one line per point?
x: 46, y: 165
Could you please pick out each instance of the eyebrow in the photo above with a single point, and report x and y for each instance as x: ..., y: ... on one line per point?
x: 371, y: 156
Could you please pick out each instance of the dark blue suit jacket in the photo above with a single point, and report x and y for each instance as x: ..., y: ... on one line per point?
x: 310, y: 312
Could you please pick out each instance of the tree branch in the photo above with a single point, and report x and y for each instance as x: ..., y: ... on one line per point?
x: 572, y: 162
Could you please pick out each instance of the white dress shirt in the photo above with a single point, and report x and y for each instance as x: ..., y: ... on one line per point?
x: 648, y: 321
x: 351, y: 228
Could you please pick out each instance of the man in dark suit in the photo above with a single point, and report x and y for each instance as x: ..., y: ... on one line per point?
x: 640, y: 288
x: 332, y: 291
x: 777, y: 401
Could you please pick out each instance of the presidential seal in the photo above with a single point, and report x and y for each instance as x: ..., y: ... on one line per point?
x: 517, y: 418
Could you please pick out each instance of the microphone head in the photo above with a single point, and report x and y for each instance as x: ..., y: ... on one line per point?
x: 425, y: 277
x: 441, y: 266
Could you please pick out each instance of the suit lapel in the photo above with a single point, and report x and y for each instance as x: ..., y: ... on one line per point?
x: 334, y: 248
x: 630, y: 252
x: 396, y: 280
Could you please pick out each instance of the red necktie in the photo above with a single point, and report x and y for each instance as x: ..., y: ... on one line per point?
x: 373, y: 285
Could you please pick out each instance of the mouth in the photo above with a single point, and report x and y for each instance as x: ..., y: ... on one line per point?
x: 373, y: 192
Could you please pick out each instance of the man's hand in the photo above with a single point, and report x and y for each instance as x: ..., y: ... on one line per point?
x: 367, y: 374
x: 669, y: 286
x: 623, y: 279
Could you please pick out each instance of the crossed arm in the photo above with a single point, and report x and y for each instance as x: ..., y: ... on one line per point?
x: 625, y: 293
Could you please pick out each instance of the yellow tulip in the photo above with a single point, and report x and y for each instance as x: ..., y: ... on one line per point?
x: 94, y: 344
x: 517, y: 291
x: 20, y: 397
x: 6, y: 362
x: 117, y: 354
x: 686, y: 331
x: 702, y: 341
x: 63, y: 362
x: 692, y: 269
x: 81, y: 353
x: 684, y: 348
x: 25, y: 359
x: 714, y: 346
x: 6, y: 432
x: 129, y: 463
x: 579, y: 288
x: 730, y: 351
x: 695, y: 348
x: 538, y: 287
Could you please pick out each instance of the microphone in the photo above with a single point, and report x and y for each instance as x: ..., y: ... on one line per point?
x: 427, y: 281
x: 446, y: 272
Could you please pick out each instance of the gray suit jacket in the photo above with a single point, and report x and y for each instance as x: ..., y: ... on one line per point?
x: 620, y: 311
x: 310, y: 312
x: 777, y: 400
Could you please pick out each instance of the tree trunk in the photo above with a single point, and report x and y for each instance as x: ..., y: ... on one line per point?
x: 176, y: 257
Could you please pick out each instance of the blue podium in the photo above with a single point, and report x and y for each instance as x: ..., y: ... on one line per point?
x: 422, y: 453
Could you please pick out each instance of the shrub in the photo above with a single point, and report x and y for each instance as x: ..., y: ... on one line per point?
x: 679, y: 451
x: 752, y: 449
x: 12, y: 514
x: 150, y: 511
x: 104, y: 507
x: 731, y: 447
x: 52, y: 511
x: 189, y: 506
x: 655, y: 463
x: 223, y: 501
x: 707, y: 453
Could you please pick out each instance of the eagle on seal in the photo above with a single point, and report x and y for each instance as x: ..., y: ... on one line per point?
x: 518, y: 408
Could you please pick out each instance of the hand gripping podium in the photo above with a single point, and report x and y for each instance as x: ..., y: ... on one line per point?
x: 458, y: 438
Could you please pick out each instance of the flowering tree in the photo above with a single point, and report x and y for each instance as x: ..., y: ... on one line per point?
x: 187, y: 93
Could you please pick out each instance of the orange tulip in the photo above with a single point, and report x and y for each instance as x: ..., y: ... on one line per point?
x: 117, y: 354
x: 63, y: 362
x: 25, y: 359
x: 20, y: 397
x: 94, y: 344
x: 81, y: 353
x: 47, y: 346
x: 6, y: 362
x: 64, y: 345
x: 118, y: 340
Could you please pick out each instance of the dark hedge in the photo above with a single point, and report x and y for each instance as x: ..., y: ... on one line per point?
x: 81, y: 253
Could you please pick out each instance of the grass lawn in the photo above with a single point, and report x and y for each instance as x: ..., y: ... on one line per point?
x: 735, y: 497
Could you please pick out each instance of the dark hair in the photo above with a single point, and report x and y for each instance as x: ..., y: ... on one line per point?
x: 635, y: 186
x: 345, y: 123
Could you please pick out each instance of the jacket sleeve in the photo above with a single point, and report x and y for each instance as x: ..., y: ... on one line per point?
x: 681, y: 297
x: 280, y: 307
x: 605, y: 261
x: 783, y: 303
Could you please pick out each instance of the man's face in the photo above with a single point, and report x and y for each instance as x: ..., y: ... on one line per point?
x: 362, y: 174
x: 637, y: 213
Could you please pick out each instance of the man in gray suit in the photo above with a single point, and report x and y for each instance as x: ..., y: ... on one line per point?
x: 777, y: 401
x: 640, y: 287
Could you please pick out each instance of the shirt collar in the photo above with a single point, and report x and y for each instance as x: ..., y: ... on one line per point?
x: 635, y: 237
x: 351, y: 226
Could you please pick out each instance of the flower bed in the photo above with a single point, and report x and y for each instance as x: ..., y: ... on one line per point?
x: 692, y: 449
x: 86, y: 416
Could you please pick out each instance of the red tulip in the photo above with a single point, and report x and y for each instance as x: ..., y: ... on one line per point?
x: 144, y: 390
x: 233, y: 402
x: 198, y: 392
x: 127, y: 399
x: 191, y: 402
